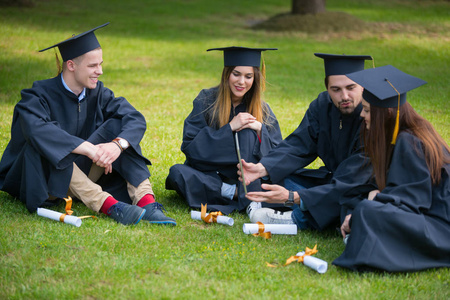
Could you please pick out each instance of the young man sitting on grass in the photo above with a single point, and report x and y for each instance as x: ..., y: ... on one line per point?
x: 71, y: 136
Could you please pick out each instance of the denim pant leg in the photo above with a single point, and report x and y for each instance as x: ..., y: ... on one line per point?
x: 291, y: 184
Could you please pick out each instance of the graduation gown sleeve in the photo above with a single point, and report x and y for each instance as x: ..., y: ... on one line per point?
x: 204, y: 145
x: 322, y: 202
x: 325, y: 133
x: 41, y: 131
x: 298, y: 150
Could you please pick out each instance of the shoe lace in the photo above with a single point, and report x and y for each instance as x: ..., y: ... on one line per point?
x: 160, y: 206
x: 115, y: 208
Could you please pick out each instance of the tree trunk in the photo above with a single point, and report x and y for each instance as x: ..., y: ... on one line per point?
x: 303, y: 7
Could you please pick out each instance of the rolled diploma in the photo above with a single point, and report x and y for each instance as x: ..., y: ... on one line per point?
x: 54, y: 215
x: 250, y: 228
x: 196, y: 215
x: 314, y: 263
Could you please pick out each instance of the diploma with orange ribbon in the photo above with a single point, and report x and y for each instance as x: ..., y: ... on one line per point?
x: 66, y: 217
x: 57, y: 216
x: 213, y: 217
x: 305, y: 257
x: 255, y: 228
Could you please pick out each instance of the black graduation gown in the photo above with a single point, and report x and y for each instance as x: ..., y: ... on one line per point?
x: 49, y: 123
x: 211, y: 156
x: 407, y: 226
x: 333, y: 137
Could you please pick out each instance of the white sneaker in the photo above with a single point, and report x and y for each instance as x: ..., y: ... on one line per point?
x: 260, y: 215
x: 280, y: 217
x: 252, y: 207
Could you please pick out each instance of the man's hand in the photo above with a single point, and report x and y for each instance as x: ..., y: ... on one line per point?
x: 275, y: 194
x: 251, y: 171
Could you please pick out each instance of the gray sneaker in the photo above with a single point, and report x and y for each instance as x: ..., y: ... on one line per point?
x: 267, y: 215
x: 126, y: 214
x: 252, y: 207
x: 280, y: 217
x: 154, y: 214
x: 260, y: 215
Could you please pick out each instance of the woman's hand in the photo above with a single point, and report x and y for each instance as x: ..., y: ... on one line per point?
x: 372, y: 194
x: 345, y: 227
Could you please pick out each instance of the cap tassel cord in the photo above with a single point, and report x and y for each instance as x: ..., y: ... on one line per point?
x: 397, y: 119
x: 58, y: 63
x: 263, y: 73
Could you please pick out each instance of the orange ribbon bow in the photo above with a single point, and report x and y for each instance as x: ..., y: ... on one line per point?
x: 69, y: 210
x: 299, y: 259
x: 261, y: 233
x: 211, y: 217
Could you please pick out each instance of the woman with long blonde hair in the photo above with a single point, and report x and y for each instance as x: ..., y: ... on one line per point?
x: 402, y: 223
x: 235, y: 107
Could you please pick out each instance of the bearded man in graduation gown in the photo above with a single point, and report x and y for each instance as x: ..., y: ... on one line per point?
x: 329, y: 131
x: 71, y: 136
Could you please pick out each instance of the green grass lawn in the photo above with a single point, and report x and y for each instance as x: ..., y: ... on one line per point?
x: 155, y: 56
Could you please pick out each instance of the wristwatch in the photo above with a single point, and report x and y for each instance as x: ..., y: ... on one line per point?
x: 290, y: 200
x: 122, y: 143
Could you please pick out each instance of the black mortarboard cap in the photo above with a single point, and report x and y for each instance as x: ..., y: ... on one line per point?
x: 382, y: 84
x: 386, y: 87
x: 78, y: 44
x: 242, y: 56
x: 342, y: 64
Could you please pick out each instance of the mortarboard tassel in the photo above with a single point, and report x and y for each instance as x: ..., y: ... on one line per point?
x: 397, y: 119
x: 263, y: 72
x: 58, y: 63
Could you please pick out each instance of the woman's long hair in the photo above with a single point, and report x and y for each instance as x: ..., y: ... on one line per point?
x: 220, y: 111
x: 378, y: 147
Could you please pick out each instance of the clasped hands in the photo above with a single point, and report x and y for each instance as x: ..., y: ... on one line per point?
x: 245, y: 120
x: 103, y: 155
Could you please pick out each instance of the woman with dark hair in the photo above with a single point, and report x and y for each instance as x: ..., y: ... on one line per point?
x: 208, y: 175
x: 402, y: 222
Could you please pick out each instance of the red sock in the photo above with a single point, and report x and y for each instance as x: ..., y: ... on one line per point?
x: 147, y: 199
x: 110, y: 201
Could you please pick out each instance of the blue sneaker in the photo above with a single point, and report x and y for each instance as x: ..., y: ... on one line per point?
x: 126, y: 214
x: 154, y: 214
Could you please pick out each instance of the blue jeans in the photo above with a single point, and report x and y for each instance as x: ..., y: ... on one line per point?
x: 293, y: 184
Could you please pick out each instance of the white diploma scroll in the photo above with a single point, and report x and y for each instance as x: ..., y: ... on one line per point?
x: 54, y: 215
x: 314, y: 263
x: 196, y: 215
x: 250, y: 228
